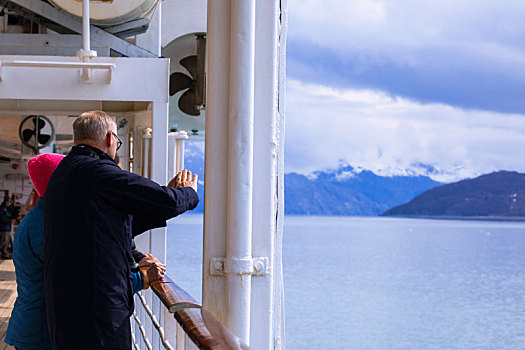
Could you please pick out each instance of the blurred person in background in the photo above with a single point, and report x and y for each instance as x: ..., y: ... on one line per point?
x: 6, y: 216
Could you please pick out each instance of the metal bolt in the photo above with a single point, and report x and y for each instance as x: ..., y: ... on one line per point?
x: 218, y: 265
x: 258, y: 266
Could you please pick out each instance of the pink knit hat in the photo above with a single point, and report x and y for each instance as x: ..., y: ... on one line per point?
x: 40, y: 169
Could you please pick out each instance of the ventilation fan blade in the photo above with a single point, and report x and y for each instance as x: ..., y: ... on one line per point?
x: 190, y: 63
x: 187, y: 103
x: 178, y: 82
x: 41, y: 123
x: 27, y: 134
x: 43, y: 139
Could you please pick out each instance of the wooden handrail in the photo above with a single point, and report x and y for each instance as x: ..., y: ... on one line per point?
x: 172, y: 296
x: 191, y: 321
x: 185, y: 310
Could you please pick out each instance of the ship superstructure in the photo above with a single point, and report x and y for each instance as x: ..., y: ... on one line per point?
x: 224, y: 84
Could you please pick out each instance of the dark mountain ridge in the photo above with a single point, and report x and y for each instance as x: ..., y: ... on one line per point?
x: 498, y: 194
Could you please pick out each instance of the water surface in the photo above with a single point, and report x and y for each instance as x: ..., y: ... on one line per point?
x: 383, y: 283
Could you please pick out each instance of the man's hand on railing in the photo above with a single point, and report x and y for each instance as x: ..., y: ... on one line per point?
x: 150, y: 260
x: 151, y: 273
x: 184, y: 179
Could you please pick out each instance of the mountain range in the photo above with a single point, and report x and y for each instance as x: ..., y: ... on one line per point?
x: 350, y: 192
x: 345, y: 191
x: 356, y: 192
x: 498, y: 194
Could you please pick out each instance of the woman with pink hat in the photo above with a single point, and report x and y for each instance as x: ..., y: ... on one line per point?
x: 28, y: 326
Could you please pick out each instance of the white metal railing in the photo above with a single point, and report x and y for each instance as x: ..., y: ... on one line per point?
x: 184, y: 309
x: 154, y: 321
x: 142, y: 331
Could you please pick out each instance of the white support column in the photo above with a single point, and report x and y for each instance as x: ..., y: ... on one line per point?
x: 216, y: 149
x: 245, y: 130
x: 159, y: 172
x: 267, y: 183
x: 238, y: 264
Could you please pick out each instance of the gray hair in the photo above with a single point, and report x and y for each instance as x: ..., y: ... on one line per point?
x: 92, y: 125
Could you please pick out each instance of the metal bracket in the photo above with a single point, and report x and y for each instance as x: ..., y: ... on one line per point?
x: 238, y: 266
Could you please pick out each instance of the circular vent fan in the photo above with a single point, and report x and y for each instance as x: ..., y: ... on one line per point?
x: 36, y: 132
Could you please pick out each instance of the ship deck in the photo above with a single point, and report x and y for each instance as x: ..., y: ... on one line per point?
x: 7, y: 298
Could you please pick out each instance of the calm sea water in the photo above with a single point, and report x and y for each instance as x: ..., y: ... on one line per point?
x: 381, y: 283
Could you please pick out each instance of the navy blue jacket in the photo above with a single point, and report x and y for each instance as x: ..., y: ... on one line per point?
x: 91, y: 212
x: 27, y: 327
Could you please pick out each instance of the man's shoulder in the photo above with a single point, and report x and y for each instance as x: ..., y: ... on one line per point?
x: 85, y: 164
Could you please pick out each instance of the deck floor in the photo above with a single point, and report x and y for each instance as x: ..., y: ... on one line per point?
x: 7, y: 298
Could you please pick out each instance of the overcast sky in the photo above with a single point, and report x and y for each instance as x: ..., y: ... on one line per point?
x: 394, y: 85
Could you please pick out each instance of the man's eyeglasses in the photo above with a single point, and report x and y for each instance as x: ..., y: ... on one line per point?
x: 119, y: 143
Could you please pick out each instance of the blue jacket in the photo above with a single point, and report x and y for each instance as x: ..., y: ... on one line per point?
x: 91, y: 212
x: 28, y: 325
x: 5, y: 218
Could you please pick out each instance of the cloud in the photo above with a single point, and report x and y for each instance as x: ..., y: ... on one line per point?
x: 468, y: 54
x: 366, y: 128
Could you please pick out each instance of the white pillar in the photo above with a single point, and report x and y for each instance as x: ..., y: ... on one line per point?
x: 267, y: 316
x: 159, y: 172
x: 216, y: 149
x: 244, y: 150
x: 176, y: 147
x: 238, y: 264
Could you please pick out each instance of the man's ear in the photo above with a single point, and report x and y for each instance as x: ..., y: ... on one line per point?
x: 109, y: 138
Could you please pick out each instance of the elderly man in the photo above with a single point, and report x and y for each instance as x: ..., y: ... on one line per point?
x: 92, y: 210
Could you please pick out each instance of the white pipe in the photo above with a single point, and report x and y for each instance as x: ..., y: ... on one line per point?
x: 85, y: 26
x: 86, y: 53
x: 240, y: 174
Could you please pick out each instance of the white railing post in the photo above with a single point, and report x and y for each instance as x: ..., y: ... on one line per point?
x: 176, y: 146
